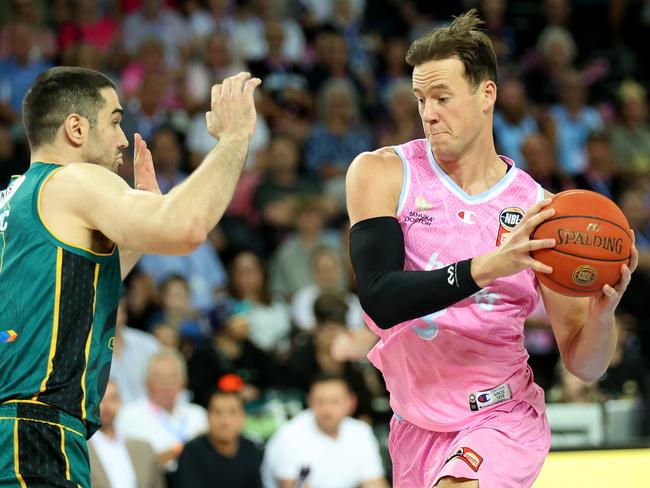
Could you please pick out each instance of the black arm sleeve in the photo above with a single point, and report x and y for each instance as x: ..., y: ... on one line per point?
x: 391, y: 295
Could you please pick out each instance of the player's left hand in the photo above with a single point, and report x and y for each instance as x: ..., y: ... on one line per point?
x: 143, y: 169
x: 604, y: 304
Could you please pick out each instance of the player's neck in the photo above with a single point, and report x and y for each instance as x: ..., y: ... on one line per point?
x: 54, y: 154
x: 475, y: 172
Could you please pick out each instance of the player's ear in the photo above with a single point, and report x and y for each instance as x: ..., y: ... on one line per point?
x: 75, y: 129
x: 489, y: 94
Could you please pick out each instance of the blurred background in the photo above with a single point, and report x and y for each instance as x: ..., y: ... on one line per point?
x: 269, y: 301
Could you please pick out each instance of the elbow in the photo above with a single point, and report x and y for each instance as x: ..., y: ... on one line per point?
x: 377, y: 307
x: 192, y: 235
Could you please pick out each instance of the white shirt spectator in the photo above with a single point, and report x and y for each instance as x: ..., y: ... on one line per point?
x: 302, y: 309
x: 169, y: 27
x: 149, y: 422
x: 347, y: 461
x: 115, y: 459
x: 129, y: 368
x: 200, y: 141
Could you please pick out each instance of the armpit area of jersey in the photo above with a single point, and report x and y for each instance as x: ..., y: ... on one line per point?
x: 390, y: 295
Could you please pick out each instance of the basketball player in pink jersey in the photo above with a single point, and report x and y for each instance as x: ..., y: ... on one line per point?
x: 440, y: 246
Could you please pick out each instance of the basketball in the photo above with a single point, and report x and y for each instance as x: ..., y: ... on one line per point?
x: 592, y: 242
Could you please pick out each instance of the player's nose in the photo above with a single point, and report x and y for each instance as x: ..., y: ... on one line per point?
x: 430, y: 113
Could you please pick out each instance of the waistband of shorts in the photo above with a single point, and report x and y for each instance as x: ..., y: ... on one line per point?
x: 35, y: 411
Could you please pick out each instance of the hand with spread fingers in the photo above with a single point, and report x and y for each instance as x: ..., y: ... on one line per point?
x: 513, y: 255
x: 233, y: 107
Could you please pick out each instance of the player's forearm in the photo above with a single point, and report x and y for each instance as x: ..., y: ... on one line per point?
x: 591, y: 349
x: 203, y: 198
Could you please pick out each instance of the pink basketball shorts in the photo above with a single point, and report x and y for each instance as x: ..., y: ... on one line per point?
x: 505, y: 450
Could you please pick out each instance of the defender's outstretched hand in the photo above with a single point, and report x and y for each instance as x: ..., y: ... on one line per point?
x: 233, y: 107
x: 143, y: 169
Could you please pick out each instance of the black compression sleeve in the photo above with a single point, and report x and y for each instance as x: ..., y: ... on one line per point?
x: 391, y: 295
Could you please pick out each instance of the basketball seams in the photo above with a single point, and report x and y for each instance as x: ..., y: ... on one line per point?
x: 585, y: 291
x: 626, y: 231
x: 621, y: 260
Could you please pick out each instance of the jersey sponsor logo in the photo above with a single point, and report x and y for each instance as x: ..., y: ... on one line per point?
x: 466, y: 216
x: 7, y: 336
x: 5, y: 195
x: 469, y: 456
x: 508, y: 219
x: 482, y: 399
x: 419, y: 218
x: 421, y: 203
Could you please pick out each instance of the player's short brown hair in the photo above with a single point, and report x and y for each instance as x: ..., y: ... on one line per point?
x: 462, y: 39
x: 57, y: 93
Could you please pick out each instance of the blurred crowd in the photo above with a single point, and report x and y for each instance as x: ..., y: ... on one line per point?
x: 231, y: 337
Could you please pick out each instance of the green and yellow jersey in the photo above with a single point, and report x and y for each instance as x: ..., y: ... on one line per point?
x: 58, y: 304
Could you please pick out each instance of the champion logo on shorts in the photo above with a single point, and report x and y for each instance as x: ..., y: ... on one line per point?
x: 471, y: 458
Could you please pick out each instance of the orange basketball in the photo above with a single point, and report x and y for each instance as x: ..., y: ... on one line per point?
x: 593, y: 239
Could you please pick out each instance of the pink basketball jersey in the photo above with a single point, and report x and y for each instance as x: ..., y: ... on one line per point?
x: 439, y: 368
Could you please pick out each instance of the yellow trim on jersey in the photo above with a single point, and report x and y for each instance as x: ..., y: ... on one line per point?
x: 40, y: 216
x: 19, y: 477
x: 67, y: 463
x: 88, y: 341
x: 26, y: 419
x: 55, y: 320
x: 35, y: 402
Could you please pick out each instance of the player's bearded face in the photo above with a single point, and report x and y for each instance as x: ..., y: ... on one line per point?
x: 102, y: 152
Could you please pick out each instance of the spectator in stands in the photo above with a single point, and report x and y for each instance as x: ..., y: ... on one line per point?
x: 89, y: 26
x: 217, y: 61
x: 154, y: 19
x: 117, y: 461
x: 177, y: 318
x: 281, y: 189
x: 268, y: 318
x: 312, y: 354
x: 628, y: 375
x: 602, y: 173
x: 556, y: 51
x: 631, y: 135
x: 142, y: 299
x: 150, y: 59
x: 333, y: 449
x: 35, y: 14
x: 12, y: 160
x: 230, y: 352
x: 290, y: 266
x: 18, y: 70
x: 147, y: 112
x: 327, y: 273
x: 164, y: 418
x: 335, y: 140
x: 402, y: 123
x: 222, y: 457
x: 392, y: 69
x: 132, y: 350
x: 513, y: 120
x: 574, y: 120
x: 539, y: 160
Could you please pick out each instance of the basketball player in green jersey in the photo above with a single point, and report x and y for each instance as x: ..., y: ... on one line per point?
x: 69, y: 231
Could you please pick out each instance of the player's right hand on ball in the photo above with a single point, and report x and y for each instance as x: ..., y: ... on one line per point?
x: 513, y: 255
x: 232, y: 107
